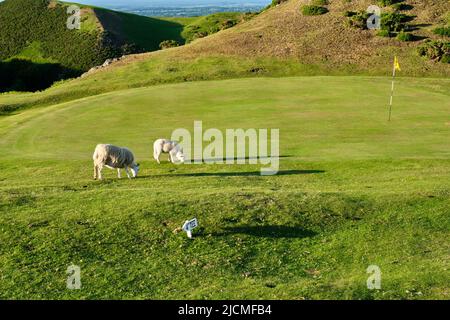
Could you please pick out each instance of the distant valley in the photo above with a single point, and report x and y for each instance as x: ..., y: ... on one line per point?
x: 189, y: 11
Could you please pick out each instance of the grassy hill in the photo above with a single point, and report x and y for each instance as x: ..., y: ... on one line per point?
x: 353, y: 190
x: 278, y: 42
x: 35, y: 32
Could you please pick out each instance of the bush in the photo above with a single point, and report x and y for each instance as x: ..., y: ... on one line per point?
x: 405, y: 36
x: 383, y: 33
x: 358, y: 19
x: 435, y: 50
x: 166, y: 44
x: 312, y: 10
x: 394, y: 21
x: 443, y: 31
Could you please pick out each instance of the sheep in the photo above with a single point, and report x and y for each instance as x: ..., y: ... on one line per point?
x: 114, y: 158
x: 166, y: 146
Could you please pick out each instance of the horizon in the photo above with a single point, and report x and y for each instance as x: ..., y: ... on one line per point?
x: 169, y: 3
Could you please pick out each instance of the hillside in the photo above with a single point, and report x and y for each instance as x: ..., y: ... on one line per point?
x: 283, y: 32
x: 35, y: 32
x: 278, y: 42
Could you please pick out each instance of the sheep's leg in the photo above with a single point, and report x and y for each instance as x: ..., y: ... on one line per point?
x: 156, y: 155
x: 128, y: 174
x: 99, y: 169
x: 95, y: 172
x: 118, y: 173
x: 170, y: 157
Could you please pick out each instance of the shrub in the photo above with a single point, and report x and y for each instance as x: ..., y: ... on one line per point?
x: 166, y: 44
x: 435, y: 50
x: 313, y: 10
x: 405, y: 36
x: 443, y: 31
x: 383, y: 33
x: 358, y: 20
x: 394, y: 21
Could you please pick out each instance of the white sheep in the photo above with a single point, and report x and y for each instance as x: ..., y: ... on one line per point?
x: 114, y: 158
x: 174, y: 150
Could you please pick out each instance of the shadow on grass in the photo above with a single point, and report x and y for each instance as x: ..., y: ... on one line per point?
x: 25, y: 75
x: 234, y: 174
x: 236, y: 159
x: 268, y: 231
x: 418, y: 26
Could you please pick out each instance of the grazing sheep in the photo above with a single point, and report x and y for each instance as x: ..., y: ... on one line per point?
x: 114, y: 158
x: 166, y: 146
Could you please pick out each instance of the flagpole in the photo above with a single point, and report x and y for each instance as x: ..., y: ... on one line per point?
x: 392, y: 91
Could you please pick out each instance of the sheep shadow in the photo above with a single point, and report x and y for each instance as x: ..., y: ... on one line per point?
x: 247, y: 173
x: 271, y: 231
x: 235, y: 174
x: 417, y: 26
x: 224, y: 159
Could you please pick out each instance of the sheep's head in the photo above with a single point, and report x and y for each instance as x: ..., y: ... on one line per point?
x: 135, y: 170
x: 180, y: 156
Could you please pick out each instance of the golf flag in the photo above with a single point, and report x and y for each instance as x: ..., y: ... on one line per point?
x: 396, y: 67
x: 396, y: 64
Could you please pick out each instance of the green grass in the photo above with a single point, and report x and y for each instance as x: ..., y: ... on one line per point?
x: 172, y: 66
x: 354, y: 190
x: 442, y: 31
x: 207, y: 25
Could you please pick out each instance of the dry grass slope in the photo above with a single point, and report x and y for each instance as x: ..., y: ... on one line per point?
x: 283, y: 32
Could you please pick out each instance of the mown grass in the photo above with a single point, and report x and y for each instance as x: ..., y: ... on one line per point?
x: 170, y: 66
x: 353, y: 190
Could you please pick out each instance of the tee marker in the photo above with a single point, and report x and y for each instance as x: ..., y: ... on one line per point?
x: 190, y: 225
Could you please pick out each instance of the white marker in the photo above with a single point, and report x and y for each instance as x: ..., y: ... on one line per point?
x: 190, y: 225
